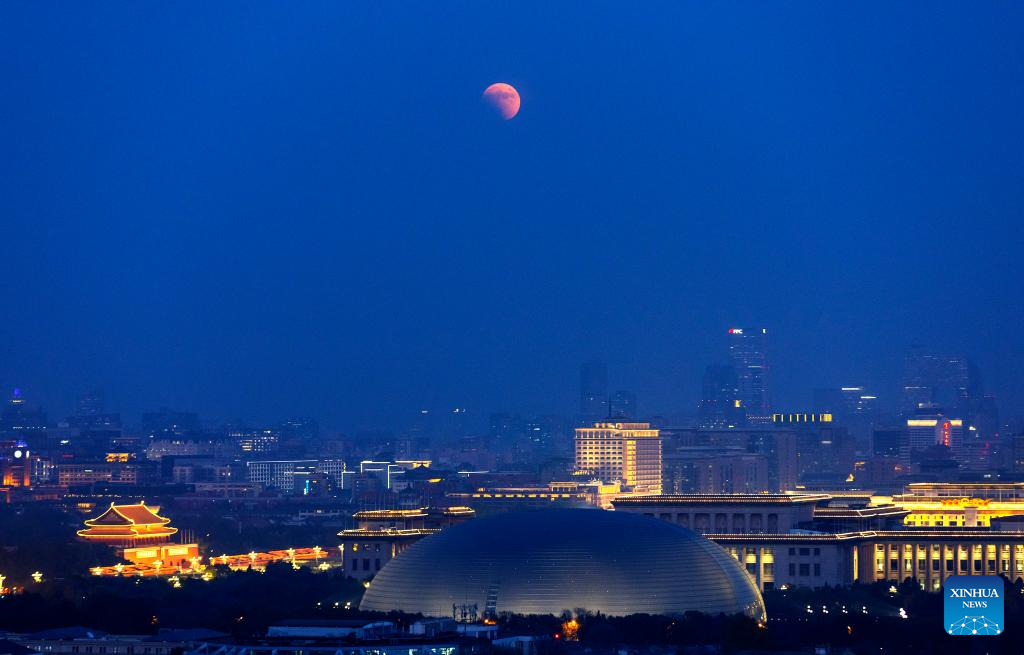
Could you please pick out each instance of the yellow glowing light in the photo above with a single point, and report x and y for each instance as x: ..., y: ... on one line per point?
x: 571, y: 630
x: 37, y: 576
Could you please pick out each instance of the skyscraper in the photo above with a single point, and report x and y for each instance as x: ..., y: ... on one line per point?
x: 719, y: 405
x: 853, y: 407
x: 594, y: 390
x: 950, y: 381
x: 628, y: 453
x: 749, y: 353
x: 622, y: 405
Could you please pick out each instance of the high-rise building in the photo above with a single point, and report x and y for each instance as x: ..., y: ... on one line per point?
x: 852, y: 407
x: 628, y: 453
x: 167, y: 423
x: 748, y: 350
x: 91, y: 403
x: 720, y: 405
x: 622, y: 405
x: 23, y: 421
x: 949, y: 381
x: 594, y: 390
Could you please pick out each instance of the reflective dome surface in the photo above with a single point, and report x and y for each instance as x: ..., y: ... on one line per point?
x: 547, y: 561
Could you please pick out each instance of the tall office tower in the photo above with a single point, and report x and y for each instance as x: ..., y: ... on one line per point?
x: 950, y: 381
x: 594, y: 390
x: 622, y: 405
x: 748, y: 349
x: 852, y: 407
x: 719, y: 405
x: 627, y: 453
x: 23, y: 421
x: 91, y: 403
x: 164, y: 423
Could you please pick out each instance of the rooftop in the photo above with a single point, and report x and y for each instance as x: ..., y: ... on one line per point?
x: 733, y: 499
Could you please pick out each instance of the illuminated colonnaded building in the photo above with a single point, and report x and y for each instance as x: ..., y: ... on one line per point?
x: 808, y: 540
x: 628, y: 453
x: 969, y: 505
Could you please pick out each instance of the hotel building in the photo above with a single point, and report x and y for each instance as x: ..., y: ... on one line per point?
x: 627, y: 453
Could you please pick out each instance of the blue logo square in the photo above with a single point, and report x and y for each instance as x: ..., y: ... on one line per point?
x: 973, y: 605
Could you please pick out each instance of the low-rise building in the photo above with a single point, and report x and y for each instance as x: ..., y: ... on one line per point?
x: 805, y: 540
x: 382, y: 534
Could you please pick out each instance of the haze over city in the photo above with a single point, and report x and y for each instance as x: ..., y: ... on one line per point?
x: 257, y: 214
x: 511, y: 328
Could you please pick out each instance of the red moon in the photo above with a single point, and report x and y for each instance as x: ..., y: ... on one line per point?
x: 504, y: 98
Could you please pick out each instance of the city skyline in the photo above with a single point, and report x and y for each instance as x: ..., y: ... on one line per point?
x: 511, y: 328
x: 277, y: 214
x: 599, y: 395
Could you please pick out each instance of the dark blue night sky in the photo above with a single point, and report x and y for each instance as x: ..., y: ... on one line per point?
x: 263, y: 209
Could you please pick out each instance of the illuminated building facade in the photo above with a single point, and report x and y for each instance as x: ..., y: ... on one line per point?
x: 748, y: 350
x: 955, y: 504
x: 166, y: 554
x: 807, y: 541
x: 128, y: 525
x: 390, y: 473
x: 491, y: 500
x: 929, y: 557
x: 73, y: 474
x: 628, y: 453
x: 383, y: 534
x: 928, y: 427
x: 294, y: 476
x: 15, y: 464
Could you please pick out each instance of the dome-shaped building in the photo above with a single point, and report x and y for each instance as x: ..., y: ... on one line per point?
x: 547, y: 561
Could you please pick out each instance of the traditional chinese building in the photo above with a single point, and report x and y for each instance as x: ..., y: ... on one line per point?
x: 128, y: 525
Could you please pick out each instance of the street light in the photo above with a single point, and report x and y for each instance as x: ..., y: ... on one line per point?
x: 37, y: 576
